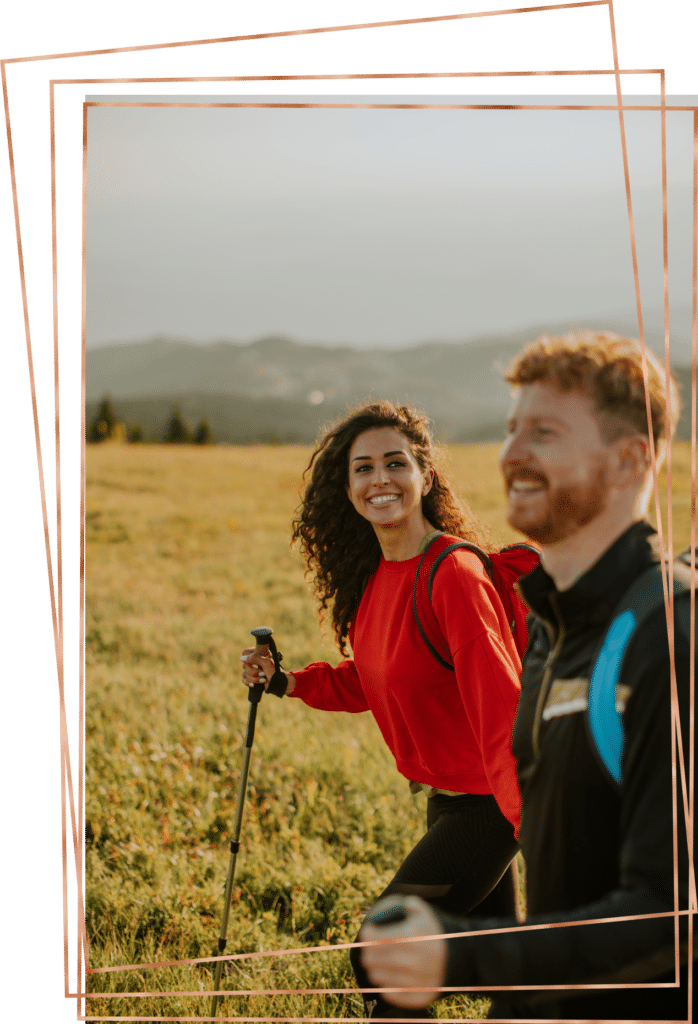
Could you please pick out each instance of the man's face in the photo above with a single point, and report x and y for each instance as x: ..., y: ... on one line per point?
x: 554, y: 462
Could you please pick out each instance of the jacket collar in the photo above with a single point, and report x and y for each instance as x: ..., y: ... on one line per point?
x: 594, y: 596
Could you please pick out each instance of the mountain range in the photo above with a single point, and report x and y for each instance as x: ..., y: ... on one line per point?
x: 277, y: 389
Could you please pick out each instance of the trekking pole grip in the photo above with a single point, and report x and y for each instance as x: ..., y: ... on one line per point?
x: 262, y: 636
x: 266, y: 648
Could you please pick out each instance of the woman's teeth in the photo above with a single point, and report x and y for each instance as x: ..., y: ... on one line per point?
x: 383, y: 499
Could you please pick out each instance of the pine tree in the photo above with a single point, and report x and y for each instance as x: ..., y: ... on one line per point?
x: 203, y: 433
x: 104, y: 423
x: 135, y: 434
x: 178, y: 430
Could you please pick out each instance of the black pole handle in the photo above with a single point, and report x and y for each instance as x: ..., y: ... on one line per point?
x: 266, y: 648
x: 262, y: 635
x: 390, y: 916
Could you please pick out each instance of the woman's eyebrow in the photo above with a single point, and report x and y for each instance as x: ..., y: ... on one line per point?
x: 386, y: 455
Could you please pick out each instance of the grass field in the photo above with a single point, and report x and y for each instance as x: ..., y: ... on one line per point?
x: 187, y: 549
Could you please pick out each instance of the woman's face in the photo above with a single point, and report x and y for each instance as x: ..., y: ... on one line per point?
x: 386, y: 485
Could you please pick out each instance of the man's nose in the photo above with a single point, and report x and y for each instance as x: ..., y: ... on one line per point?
x: 513, y: 451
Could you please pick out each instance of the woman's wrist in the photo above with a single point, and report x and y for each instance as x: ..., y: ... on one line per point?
x: 291, y: 683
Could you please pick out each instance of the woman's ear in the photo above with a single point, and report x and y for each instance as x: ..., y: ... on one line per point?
x: 428, y: 481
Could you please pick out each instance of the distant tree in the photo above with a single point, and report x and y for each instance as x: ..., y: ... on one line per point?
x: 135, y: 434
x: 103, y: 426
x: 203, y: 433
x: 178, y: 430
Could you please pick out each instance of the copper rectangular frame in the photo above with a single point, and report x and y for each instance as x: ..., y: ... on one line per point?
x: 75, y: 810
x: 387, y: 105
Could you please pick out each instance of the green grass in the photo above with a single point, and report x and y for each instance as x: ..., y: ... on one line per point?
x: 187, y: 549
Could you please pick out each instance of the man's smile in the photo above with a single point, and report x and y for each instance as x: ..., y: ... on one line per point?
x: 526, y: 486
x: 523, y: 482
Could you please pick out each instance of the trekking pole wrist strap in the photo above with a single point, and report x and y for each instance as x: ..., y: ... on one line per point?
x: 279, y: 681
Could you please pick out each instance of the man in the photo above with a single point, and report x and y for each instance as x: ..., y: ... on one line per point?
x: 576, y: 465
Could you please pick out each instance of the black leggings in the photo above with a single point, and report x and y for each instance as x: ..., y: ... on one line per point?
x: 458, y: 865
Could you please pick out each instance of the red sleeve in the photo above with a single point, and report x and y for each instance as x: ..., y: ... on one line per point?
x: 472, y: 618
x: 330, y: 689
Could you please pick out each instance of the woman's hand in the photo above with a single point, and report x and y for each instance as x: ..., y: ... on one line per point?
x: 260, y: 670
x: 402, y: 965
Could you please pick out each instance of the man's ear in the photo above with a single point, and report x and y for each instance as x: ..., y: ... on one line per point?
x: 632, y: 460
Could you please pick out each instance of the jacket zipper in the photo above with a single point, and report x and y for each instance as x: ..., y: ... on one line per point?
x: 547, y: 675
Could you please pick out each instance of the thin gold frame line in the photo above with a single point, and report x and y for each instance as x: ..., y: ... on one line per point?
x: 59, y: 575
x: 77, y: 838
x: 692, y: 614
x: 415, y: 76
x: 58, y: 622
x: 56, y: 82
x: 81, y: 675
x: 676, y: 740
x: 191, y: 994
x: 264, y: 954
x: 377, y: 104
x: 310, y: 31
x: 668, y: 602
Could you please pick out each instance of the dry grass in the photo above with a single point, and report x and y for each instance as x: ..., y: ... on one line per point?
x: 187, y: 550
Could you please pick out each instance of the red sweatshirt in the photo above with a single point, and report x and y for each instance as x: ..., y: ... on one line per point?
x: 451, y: 731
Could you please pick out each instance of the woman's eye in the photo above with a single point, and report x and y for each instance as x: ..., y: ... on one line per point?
x: 396, y: 462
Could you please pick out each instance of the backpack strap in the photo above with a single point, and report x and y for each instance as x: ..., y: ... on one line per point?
x: 469, y: 546
x: 521, y: 546
x: 644, y: 596
x: 424, y: 584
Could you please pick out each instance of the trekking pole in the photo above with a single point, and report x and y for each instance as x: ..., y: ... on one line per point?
x: 277, y: 685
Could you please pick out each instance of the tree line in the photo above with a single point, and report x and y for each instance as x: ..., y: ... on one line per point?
x: 106, y: 426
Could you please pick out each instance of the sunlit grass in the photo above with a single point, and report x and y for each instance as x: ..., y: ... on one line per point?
x: 187, y: 550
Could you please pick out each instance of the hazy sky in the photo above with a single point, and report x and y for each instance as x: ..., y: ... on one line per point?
x: 375, y: 227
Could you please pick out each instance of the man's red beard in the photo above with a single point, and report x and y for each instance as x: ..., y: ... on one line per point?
x: 567, y: 510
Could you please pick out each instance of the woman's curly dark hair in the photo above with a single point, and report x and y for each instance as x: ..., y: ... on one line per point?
x: 339, y: 546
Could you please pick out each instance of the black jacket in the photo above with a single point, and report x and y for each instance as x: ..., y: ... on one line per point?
x: 592, y: 849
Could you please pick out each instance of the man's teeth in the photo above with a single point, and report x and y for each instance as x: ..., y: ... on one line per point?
x: 527, y: 485
x: 383, y: 499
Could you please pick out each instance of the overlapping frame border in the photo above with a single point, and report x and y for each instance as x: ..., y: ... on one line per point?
x: 72, y: 804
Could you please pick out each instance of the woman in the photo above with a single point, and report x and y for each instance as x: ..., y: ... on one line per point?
x: 373, y: 502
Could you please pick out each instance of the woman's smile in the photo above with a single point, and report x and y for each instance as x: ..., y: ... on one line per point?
x: 385, y: 482
x: 383, y: 499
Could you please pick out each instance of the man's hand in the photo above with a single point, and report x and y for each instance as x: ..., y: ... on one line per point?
x: 400, y: 965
